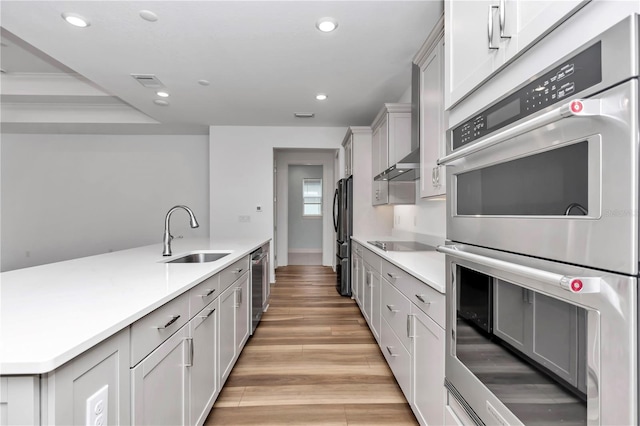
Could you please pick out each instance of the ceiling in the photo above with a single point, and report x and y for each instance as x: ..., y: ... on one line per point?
x: 264, y: 60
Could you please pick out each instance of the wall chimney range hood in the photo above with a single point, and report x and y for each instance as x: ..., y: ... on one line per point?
x: 408, y: 168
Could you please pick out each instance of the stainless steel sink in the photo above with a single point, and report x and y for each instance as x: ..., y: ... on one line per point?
x: 203, y: 257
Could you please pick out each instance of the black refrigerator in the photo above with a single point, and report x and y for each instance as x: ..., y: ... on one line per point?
x: 343, y: 224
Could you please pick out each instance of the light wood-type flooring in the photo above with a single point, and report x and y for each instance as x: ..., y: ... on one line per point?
x: 311, y: 361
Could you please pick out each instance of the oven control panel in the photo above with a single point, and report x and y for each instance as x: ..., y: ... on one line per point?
x: 561, y: 82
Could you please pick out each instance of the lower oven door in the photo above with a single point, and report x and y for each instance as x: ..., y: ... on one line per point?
x: 562, y: 349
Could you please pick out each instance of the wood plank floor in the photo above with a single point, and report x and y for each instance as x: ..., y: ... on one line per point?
x: 311, y: 361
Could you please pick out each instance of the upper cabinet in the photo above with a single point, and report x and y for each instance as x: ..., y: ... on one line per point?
x: 391, y: 141
x: 347, y: 144
x: 481, y: 36
x: 430, y: 59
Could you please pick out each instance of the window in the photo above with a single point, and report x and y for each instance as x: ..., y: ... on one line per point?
x: 311, y: 197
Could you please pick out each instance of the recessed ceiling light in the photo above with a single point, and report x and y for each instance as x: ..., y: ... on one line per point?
x: 75, y: 20
x: 321, y: 96
x: 326, y: 25
x: 203, y: 82
x: 162, y: 94
x: 148, y: 15
x: 161, y: 102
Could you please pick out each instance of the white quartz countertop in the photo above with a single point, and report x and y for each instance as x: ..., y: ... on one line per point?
x: 52, y: 313
x: 427, y: 266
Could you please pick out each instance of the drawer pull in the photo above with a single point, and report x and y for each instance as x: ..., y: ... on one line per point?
x: 209, y: 292
x: 171, y: 321
x: 392, y: 276
x: 390, y: 351
x: 237, y: 271
x: 208, y: 314
x: 422, y: 299
x: 390, y: 307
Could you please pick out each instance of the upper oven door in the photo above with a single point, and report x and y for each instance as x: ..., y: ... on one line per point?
x: 566, y: 190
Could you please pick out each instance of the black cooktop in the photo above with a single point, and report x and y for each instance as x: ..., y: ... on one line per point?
x: 401, y: 246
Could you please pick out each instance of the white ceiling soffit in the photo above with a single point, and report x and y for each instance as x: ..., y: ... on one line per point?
x: 265, y: 60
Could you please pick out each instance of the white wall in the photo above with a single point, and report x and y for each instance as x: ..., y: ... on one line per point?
x: 69, y: 196
x: 304, y: 232
x: 241, y: 174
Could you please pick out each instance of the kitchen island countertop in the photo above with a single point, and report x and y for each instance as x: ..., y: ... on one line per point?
x: 427, y: 266
x: 50, y: 314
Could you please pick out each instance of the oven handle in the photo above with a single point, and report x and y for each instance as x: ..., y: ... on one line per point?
x: 574, y: 108
x: 572, y: 284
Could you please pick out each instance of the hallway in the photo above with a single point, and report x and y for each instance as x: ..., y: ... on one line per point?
x: 312, y: 360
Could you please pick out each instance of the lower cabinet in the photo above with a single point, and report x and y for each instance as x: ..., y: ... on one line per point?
x: 428, y: 350
x: 406, y: 315
x: 203, y: 386
x: 235, y: 324
x: 160, y: 383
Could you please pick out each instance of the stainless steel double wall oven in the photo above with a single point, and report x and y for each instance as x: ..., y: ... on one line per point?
x: 542, y: 204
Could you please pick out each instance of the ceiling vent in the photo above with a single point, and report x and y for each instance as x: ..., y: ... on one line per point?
x: 148, y: 80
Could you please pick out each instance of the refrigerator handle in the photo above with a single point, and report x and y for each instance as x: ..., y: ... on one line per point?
x: 335, y: 212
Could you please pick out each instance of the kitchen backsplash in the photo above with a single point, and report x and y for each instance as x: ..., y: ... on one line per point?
x: 426, y: 217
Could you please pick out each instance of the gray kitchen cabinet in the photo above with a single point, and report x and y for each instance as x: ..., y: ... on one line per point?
x: 483, y: 36
x: 227, y: 332
x: 19, y: 400
x: 65, y: 390
x: 266, y: 283
x: 355, y: 276
x: 243, y: 312
x: 379, y: 156
x: 347, y: 144
x: 367, y: 293
x: 391, y: 141
x: 60, y: 397
x: 160, y: 383
x: 375, y: 286
x: 235, y: 323
x: 203, y: 385
x: 427, y: 367
x: 540, y: 327
x: 430, y: 59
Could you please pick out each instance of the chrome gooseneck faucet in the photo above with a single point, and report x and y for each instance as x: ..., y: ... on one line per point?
x: 166, y: 239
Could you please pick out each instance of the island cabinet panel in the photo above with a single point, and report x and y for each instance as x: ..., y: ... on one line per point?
x: 160, y: 384
x: 227, y: 321
x: 19, y: 400
x: 204, y: 386
x: 66, y: 390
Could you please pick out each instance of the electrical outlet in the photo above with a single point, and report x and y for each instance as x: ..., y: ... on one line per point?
x: 259, y: 209
x: 98, y: 407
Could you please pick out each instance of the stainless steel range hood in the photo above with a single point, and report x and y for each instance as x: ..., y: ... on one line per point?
x: 408, y: 168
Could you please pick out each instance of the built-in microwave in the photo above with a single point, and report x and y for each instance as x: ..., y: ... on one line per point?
x: 551, y: 169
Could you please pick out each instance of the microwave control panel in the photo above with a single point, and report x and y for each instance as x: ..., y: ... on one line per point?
x: 561, y: 82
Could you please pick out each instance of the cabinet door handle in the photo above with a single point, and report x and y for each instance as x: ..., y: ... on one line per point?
x: 437, y: 176
x: 390, y: 307
x: 189, y: 363
x: 433, y: 176
x: 409, y: 325
x: 171, y: 321
x: 390, y: 351
x: 503, y: 18
x: 491, y: 46
x: 209, y: 292
x: 208, y: 314
x: 238, y: 297
x: 422, y: 299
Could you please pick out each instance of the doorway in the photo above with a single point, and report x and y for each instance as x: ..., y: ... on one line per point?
x: 292, y: 244
x: 305, y: 215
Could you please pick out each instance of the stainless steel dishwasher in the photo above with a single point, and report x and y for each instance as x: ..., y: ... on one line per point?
x: 258, y: 275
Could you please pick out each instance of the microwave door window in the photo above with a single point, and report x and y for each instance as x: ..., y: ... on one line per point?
x: 551, y: 183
